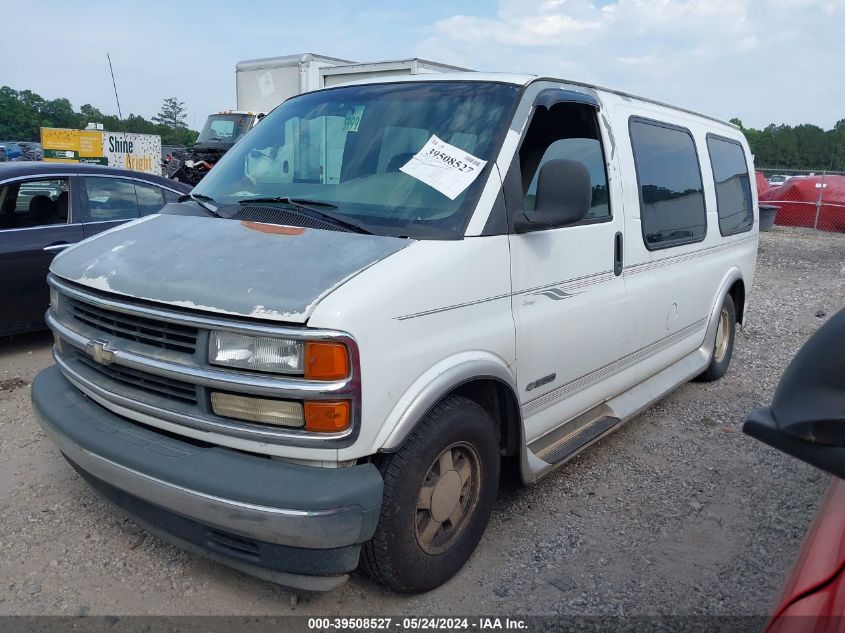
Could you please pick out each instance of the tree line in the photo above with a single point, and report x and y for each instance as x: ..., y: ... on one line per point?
x: 23, y: 112
x: 797, y: 147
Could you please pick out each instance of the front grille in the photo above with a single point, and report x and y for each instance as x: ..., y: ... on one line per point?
x: 149, y: 383
x: 150, y: 331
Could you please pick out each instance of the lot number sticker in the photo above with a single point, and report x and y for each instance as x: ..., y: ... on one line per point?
x: 444, y: 167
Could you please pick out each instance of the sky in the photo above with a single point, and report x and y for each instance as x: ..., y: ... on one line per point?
x: 764, y: 61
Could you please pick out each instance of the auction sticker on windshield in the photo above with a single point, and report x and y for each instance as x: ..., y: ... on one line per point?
x: 444, y: 167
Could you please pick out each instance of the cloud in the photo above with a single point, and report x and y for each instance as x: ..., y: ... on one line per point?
x: 764, y: 60
x: 537, y: 30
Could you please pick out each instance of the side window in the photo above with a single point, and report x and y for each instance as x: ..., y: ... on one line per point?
x: 669, y: 179
x: 150, y: 198
x: 170, y: 196
x: 733, y: 185
x: 568, y: 131
x: 34, y: 203
x: 110, y: 199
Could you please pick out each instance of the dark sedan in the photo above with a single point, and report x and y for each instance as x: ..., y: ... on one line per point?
x: 45, y: 207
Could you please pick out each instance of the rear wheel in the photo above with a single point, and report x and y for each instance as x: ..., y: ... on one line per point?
x: 439, y: 492
x: 724, y: 345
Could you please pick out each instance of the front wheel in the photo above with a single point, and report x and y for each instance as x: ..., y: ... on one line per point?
x: 723, y: 348
x: 439, y: 492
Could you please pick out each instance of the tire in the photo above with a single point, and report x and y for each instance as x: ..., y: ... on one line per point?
x: 723, y: 348
x: 435, y: 509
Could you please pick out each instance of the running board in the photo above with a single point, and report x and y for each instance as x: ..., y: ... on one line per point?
x: 574, y: 442
x: 546, y: 453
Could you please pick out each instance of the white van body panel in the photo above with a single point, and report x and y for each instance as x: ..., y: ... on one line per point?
x: 657, y: 315
x: 621, y: 340
x: 672, y: 288
x: 651, y: 323
x: 436, y: 305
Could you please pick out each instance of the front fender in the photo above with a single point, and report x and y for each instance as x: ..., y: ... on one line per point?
x: 432, y: 386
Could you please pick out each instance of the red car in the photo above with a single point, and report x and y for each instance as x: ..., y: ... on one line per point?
x: 807, y: 420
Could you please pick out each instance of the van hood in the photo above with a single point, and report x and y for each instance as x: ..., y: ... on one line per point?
x: 261, y: 271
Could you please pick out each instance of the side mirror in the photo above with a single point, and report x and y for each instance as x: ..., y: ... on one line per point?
x: 807, y: 415
x: 564, y: 196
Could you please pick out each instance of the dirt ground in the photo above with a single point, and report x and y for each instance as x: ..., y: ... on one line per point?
x: 677, y: 513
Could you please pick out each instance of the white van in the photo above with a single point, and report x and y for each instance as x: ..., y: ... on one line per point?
x: 380, y: 296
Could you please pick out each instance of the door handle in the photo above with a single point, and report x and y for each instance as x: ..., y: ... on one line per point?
x: 617, y: 254
x: 56, y: 247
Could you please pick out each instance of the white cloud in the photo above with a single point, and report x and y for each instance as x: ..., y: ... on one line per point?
x: 747, y: 44
x: 536, y: 30
x: 763, y: 60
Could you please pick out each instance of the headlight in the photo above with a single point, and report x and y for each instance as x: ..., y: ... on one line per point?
x: 259, y: 353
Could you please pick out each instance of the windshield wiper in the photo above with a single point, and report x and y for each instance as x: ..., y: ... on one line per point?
x: 201, y: 200
x: 311, y: 207
x: 299, y: 202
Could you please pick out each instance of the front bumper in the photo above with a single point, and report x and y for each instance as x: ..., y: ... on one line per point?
x: 299, y: 526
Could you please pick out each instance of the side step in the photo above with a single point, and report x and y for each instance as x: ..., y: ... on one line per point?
x: 570, y: 444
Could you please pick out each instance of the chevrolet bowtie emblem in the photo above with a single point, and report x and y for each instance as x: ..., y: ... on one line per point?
x: 100, y: 352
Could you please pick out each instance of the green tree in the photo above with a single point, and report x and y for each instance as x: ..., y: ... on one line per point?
x: 58, y: 113
x: 172, y: 114
x: 23, y: 112
x: 797, y: 147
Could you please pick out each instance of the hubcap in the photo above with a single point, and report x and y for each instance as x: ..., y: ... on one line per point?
x: 722, y: 336
x: 447, y: 497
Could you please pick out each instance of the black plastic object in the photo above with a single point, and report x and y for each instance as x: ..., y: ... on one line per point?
x: 228, y: 546
x: 564, y: 195
x: 617, y: 254
x: 768, y: 213
x: 550, y: 96
x: 211, y: 471
x: 807, y: 415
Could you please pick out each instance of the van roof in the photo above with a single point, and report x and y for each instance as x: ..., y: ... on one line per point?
x: 520, y: 79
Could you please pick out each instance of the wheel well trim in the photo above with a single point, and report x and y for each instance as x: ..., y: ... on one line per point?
x: 444, y: 383
x: 733, y: 275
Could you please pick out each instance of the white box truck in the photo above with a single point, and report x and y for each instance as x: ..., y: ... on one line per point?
x: 262, y: 84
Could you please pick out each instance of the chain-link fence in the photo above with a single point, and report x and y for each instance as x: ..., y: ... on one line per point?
x: 804, y: 198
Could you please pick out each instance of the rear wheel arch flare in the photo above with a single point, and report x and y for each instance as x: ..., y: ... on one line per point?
x: 737, y: 292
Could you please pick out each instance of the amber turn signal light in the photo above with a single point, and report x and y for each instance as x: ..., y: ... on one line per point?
x: 326, y: 361
x: 326, y: 417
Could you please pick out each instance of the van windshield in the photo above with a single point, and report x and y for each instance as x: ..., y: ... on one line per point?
x: 347, y: 147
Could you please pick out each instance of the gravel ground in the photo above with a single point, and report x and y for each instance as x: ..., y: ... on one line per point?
x: 677, y: 513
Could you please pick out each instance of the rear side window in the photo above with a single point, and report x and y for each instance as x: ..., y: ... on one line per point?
x: 733, y: 185
x: 669, y: 180
x: 110, y: 199
x: 150, y: 198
